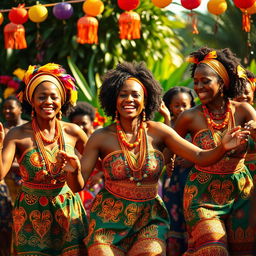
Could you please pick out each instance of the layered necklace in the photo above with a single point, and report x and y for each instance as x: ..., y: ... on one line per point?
x: 51, y: 170
x: 136, y: 170
x: 210, y: 117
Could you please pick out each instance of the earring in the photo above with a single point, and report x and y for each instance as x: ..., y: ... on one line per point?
x: 32, y: 114
x: 59, y: 115
x: 144, y: 116
x: 116, y: 116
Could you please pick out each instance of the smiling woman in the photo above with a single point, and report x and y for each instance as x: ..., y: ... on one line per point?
x: 47, y: 203
x: 214, y: 197
x: 127, y: 216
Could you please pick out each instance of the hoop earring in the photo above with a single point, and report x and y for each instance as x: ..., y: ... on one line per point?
x: 59, y: 115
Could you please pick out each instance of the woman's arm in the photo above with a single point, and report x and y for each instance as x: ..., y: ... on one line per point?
x: 7, y: 150
x: 75, y: 179
x: 193, y: 153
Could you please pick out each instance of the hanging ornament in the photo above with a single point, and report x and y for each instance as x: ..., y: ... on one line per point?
x: 217, y: 7
x: 93, y: 7
x: 87, y: 26
x: 251, y: 10
x: 1, y: 18
x: 128, y: 5
x: 18, y: 15
x: 38, y: 13
x: 129, y: 25
x: 129, y: 21
x: 63, y: 11
x: 190, y: 5
x: 161, y: 3
x: 14, y: 32
x: 244, y: 6
x: 87, y: 30
x: 14, y: 36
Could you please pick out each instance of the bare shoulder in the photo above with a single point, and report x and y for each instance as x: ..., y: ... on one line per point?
x: 189, y: 114
x: 244, y: 112
x: 104, y: 133
x: 20, y: 132
x: 71, y: 128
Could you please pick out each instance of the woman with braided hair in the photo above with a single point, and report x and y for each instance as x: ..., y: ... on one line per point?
x: 127, y: 216
x: 48, y: 216
x: 217, y: 197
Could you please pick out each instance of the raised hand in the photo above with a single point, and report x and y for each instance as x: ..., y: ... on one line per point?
x: 234, y: 138
x: 68, y: 162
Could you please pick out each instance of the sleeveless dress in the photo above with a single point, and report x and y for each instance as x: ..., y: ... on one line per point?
x: 217, y: 202
x: 48, y: 217
x: 128, y: 218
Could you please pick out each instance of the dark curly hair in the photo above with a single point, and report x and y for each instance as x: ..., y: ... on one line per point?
x: 82, y: 108
x: 230, y: 62
x: 168, y: 96
x: 114, y: 80
x: 14, y: 98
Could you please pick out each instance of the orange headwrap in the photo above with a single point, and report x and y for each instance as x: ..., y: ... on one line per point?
x: 140, y: 83
x: 213, y: 63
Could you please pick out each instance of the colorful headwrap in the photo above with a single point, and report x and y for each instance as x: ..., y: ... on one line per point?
x: 50, y: 72
x: 241, y: 72
x: 213, y: 63
x: 140, y: 83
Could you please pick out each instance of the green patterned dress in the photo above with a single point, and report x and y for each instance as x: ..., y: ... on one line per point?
x: 127, y: 217
x: 48, y: 217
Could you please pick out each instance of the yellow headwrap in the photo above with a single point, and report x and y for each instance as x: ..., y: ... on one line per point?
x: 213, y: 63
x: 42, y: 77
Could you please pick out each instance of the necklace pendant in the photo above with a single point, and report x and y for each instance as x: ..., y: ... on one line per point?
x: 131, y: 179
x: 138, y: 184
x: 145, y: 175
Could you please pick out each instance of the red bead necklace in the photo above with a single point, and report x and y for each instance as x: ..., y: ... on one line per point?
x: 122, y: 136
x: 213, y: 124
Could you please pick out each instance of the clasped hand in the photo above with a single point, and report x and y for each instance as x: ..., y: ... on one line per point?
x: 69, y: 163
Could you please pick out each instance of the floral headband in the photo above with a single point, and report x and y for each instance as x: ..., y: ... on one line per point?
x: 50, y: 72
x: 210, y: 59
x: 242, y: 74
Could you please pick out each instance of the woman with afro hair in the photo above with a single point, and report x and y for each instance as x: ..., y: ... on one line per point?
x: 127, y: 216
x: 217, y: 197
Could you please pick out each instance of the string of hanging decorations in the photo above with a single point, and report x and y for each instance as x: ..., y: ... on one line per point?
x: 129, y: 21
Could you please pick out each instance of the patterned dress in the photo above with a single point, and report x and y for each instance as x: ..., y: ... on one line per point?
x: 48, y: 217
x: 128, y: 218
x: 173, y: 190
x: 217, y: 203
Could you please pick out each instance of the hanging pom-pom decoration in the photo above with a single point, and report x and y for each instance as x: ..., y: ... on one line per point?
x: 1, y: 18
x: 87, y: 26
x: 14, y: 32
x: 129, y: 21
x: 190, y: 5
x: 244, y: 6
x: 63, y: 11
x: 217, y: 7
x: 161, y: 3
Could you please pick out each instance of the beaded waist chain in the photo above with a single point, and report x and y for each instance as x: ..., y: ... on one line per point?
x: 131, y: 191
x: 224, y: 166
x: 45, y: 189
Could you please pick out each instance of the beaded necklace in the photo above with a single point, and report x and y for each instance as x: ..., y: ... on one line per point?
x: 211, y: 123
x: 136, y: 171
x: 123, y: 138
x: 50, y: 169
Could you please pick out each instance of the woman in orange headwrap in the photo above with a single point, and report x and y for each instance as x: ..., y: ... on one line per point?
x: 217, y: 197
x: 48, y: 216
